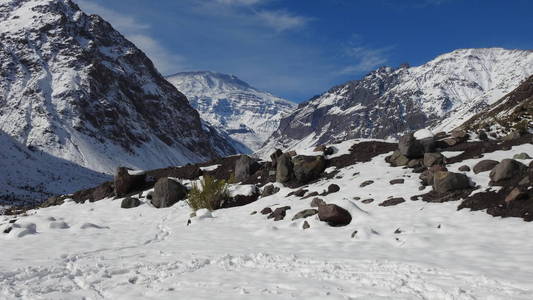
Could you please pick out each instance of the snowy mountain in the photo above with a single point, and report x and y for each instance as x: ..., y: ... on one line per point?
x: 247, y: 114
x: 440, y: 94
x: 76, y: 89
x: 29, y: 174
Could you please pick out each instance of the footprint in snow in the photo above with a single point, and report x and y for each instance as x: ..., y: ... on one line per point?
x: 91, y: 225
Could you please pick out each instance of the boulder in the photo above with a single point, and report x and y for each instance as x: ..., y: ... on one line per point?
x: 279, y: 213
x: 334, y: 215
x: 512, y: 136
x: 308, y: 168
x: 130, y: 202
x: 305, y: 214
x: 434, y: 158
x: 274, y: 157
x: 507, y: 169
x: 521, y: 156
x: 269, y: 190
x: 429, y: 144
x: 460, y: 136
x: 284, y: 168
x: 245, y: 166
x: 391, y: 202
x: 484, y: 166
x: 464, y: 168
x: 397, y: 159
x: 126, y: 183
x: 516, y: 194
x: 333, y: 188
x: 316, y: 202
x: 410, y: 147
x: 444, y: 182
x: 427, y: 175
x: 168, y: 192
x: 414, y: 163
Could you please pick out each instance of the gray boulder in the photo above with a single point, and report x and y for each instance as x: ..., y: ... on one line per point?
x: 444, y: 182
x: 484, y: 166
x: 168, y: 192
x: 334, y: 215
x: 305, y: 214
x: 244, y: 168
x: 316, y: 202
x: 435, y: 158
x: 307, y: 168
x: 397, y: 159
x: 126, y: 183
x: 507, y: 169
x: 284, y: 168
x: 410, y: 147
x: 279, y: 213
x: 274, y: 157
x: 429, y: 144
x: 269, y: 190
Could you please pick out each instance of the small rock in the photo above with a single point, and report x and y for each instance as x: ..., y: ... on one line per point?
x: 368, y: 182
x: 431, y: 159
x: 333, y: 188
x: 484, y: 166
x: 279, y: 213
x: 269, y: 190
x: 305, y: 214
x: 253, y: 212
x: 521, y: 156
x: 306, y: 225
x: 464, y: 168
x: 354, y: 234
x: 397, y: 181
x: 398, y: 231
x: 334, y: 215
x: 391, y: 202
x: 266, y: 211
x: 130, y: 202
x: 316, y: 202
x: 297, y: 193
x: 414, y: 163
x: 367, y: 201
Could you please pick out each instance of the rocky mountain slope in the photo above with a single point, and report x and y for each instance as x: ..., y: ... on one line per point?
x: 247, y: 114
x: 75, y: 88
x: 440, y: 94
x: 29, y: 174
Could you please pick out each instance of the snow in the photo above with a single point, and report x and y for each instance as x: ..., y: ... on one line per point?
x: 210, y: 168
x: 247, y: 114
x: 136, y: 172
x: 423, y: 134
x: 241, y: 189
x: 100, y: 251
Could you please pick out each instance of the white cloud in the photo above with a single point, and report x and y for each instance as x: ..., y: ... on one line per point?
x: 137, y: 32
x: 365, y: 58
x: 239, y: 2
x: 281, y: 20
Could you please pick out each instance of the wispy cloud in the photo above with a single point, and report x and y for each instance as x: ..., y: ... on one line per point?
x: 239, y: 2
x: 365, y: 59
x: 138, y: 32
x: 282, y: 20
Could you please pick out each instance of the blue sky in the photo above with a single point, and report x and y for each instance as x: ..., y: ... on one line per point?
x: 299, y: 48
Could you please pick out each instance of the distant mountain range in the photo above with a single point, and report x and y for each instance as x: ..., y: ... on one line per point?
x: 441, y: 95
x: 247, y: 114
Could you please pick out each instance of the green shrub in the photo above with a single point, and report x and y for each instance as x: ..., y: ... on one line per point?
x: 210, y: 194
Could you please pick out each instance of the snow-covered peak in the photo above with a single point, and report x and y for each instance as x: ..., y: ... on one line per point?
x: 247, y: 114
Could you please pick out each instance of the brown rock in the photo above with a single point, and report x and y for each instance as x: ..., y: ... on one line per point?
x: 334, y: 215
x: 484, y: 166
x: 391, y: 202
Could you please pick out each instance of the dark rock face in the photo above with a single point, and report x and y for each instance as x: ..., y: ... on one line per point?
x: 334, y: 215
x: 245, y: 167
x: 130, y: 202
x: 392, y: 202
x: 284, y: 168
x: 168, y: 192
x: 507, y: 169
x: 279, y: 213
x: 444, y: 182
x: 410, y: 147
x: 126, y: 183
x: 269, y: 190
x: 484, y: 166
x: 308, y: 168
x: 305, y: 214
x: 274, y: 157
x: 429, y: 144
